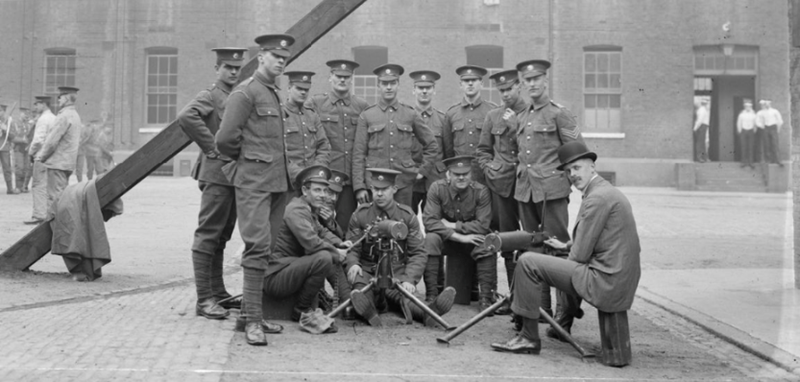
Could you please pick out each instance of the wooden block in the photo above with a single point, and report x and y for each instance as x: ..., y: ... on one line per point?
x: 274, y: 308
x: 459, y: 274
x: 615, y: 339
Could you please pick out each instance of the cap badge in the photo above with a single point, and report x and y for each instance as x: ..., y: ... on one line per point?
x: 344, y: 66
x: 388, y: 71
x: 337, y: 179
x: 424, y: 77
x: 283, y: 43
x: 305, y: 78
x: 380, y: 177
x: 502, y: 78
x: 322, y: 174
x: 236, y: 55
x: 469, y: 71
x: 460, y: 164
x: 530, y: 67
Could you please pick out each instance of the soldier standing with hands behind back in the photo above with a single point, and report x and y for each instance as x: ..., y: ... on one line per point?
x: 251, y: 133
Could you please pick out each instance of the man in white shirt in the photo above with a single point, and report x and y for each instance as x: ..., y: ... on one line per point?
x: 770, y: 120
x: 701, y: 123
x: 746, y: 128
x: 44, y: 122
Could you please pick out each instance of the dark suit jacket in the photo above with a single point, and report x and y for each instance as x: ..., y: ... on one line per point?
x: 606, y: 245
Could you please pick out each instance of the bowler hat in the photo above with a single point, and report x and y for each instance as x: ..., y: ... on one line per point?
x: 572, y: 151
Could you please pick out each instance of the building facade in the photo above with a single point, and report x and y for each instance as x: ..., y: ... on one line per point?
x: 630, y: 70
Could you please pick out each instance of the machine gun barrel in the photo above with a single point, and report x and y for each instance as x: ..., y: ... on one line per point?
x: 474, y: 320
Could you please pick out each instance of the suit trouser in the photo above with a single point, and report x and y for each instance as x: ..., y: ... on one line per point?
x: 758, y: 145
x: 345, y: 206
x: 57, y: 181
x: 39, y: 191
x: 304, y: 276
x: 216, y: 221
x: 505, y: 218
x: 485, y: 263
x: 557, y: 216
x: 700, y: 154
x: 534, y: 271
x: 79, y: 165
x: 772, y: 151
x: 747, y: 137
x: 21, y: 163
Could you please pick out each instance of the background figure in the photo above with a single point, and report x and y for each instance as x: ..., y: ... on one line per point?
x: 746, y: 128
x: 770, y: 121
x: 105, y: 148
x: 45, y: 120
x: 701, y: 123
x: 87, y: 151
x: 8, y: 137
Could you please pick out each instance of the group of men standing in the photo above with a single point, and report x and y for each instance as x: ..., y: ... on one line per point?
x: 310, y: 178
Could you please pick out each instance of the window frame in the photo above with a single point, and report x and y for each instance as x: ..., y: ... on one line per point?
x: 602, y: 121
x: 368, y: 90
x: 489, y: 57
x: 161, y: 91
x: 59, y: 76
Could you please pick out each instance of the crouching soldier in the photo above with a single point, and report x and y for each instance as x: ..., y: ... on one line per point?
x: 407, y: 260
x: 305, y: 251
x: 456, y: 217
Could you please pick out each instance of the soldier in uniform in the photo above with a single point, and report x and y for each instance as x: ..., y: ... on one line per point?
x: 542, y: 128
x: 457, y: 217
x: 306, y: 142
x: 407, y: 264
x: 384, y: 137
x: 463, y: 122
x: 306, y: 251
x: 424, y: 90
x: 60, y: 149
x: 251, y: 134
x: 200, y: 120
x: 497, y: 156
x: 44, y: 122
x: 327, y: 217
x: 339, y: 110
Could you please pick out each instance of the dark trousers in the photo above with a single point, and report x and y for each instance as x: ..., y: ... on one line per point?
x: 700, y: 154
x: 27, y: 171
x: 345, y: 206
x: 557, y: 216
x: 260, y: 214
x: 535, y: 271
x: 485, y: 263
x: 216, y: 221
x: 304, y: 276
x: 758, y: 145
x: 771, y: 150
x: 746, y: 142
x: 505, y: 218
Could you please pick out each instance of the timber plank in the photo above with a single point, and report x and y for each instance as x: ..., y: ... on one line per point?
x: 170, y: 141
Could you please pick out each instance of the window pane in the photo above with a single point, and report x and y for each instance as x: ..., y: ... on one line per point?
x: 590, y: 101
x: 614, y: 101
x: 590, y: 63
x: 602, y: 62
x: 173, y: 80
x: 698, y: 62
x: 602, y: 101
x: 602, y: 119
x: 709, y: 62
x: 173, y: 64
x: 614, y: 82
x: 615, y: 62
x: 152, y: 65
x: 590, y: 118
x: 719, y: 62
x: 750, y: 63
x: 590, y: 84
x: 602, y: 81
x: 615, y: 120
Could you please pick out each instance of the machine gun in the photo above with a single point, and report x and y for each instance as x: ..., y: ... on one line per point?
x: 385, y: 251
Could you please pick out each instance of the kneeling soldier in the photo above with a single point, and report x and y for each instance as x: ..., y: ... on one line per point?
x: 408, y: 260
x: 456, y: 217
x: 305, y: 251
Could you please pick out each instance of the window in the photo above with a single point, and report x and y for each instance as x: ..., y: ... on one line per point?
x: 162, y: 85
x: 602, y: 89
x: 723, y: 59
x: 59, y: 69
x: 365, y: 83
x: 491, y: 58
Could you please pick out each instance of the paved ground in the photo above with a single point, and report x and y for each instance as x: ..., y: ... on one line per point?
x: 716, y: 280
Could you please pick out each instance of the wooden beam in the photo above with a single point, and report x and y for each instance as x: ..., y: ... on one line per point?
x: 172, y: 139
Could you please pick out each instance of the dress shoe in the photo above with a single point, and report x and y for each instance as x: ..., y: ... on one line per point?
x: 485, y: 303
x: 365, y: 308
x: 235, y: 303
x: 208, y: 308
x: 519, y: 345
x: 266, y: 326
x: 13, y: 192
x: 33, y: 221
x: 25, y: 190
x: 552, y: 333
x: 441, y: 305
x: 254, y: 334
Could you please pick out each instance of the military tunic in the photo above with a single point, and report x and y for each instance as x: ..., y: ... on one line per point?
x: 384, y: 138
x: 339, y: 117
x: 461, y: 131
x: 470, y: 209
x: 306, y: 142
x: 200, y: 120
x: 434, y: 119
x: 251, y: 133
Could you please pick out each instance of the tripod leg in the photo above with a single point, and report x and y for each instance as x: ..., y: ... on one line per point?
x: 344, y: 305
x: 424, y: 307
x: 474, y: 320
